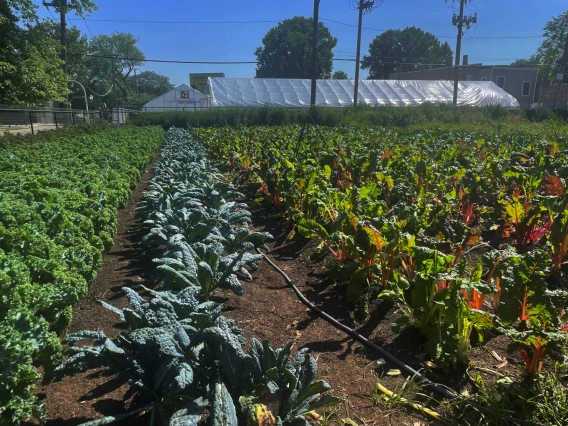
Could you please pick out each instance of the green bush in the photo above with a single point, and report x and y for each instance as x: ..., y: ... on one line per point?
x: 353, y: 116
x: 542, y: 114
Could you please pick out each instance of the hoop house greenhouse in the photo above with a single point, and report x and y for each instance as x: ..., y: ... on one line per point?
x: 245, y: 92
x: 182, y: 98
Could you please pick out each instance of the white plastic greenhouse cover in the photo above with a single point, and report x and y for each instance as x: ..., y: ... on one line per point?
x: 241, y: 92
x: 182, y: 97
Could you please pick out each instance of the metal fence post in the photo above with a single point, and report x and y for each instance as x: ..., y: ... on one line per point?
x: 72, y: 118
x: 55, y: 118
x: 31, y: 122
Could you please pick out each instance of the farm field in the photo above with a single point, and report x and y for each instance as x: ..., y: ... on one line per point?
x: 466, y: 233
x: 445, y: 247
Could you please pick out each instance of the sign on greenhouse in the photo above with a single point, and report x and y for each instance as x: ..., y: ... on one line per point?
x: 199, y: 80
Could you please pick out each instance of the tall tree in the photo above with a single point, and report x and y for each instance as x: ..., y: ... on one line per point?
x: 30, y: 70
x: 404, y: 50
x: 77, y: 47
x: 524, y: 62
x: 287, y: 50
x: 133, y: 89
x: 340, y: 75
x: 551, y: 51
x: 146, y: 86
x: 127, y: 56
x: 151, y: 83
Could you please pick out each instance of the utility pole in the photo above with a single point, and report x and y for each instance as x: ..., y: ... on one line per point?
x: 460, y: 21
x: 315, y: 53
x: 363, y: 6
x: 563, y: 68
x: 62, y: 7
x: 357, y: 62
x: 114, y: 91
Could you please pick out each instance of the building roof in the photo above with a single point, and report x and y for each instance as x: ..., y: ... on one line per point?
x: 243, y: 92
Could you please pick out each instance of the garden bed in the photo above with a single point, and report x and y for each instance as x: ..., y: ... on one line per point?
x: 268, y: 310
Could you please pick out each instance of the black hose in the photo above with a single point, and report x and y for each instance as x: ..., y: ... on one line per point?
x: 438, y: 388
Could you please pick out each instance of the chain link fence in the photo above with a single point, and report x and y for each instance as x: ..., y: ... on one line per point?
x: 18, y: 119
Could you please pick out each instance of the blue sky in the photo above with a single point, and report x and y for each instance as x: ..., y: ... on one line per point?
x: 237, y: 42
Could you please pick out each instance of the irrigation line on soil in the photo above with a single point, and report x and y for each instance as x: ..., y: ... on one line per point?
x: 435, y: 386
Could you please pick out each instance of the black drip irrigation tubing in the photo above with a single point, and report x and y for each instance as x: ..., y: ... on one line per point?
x: 349, y: 331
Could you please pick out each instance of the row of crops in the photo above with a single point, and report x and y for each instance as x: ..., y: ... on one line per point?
x: 58, y: 208
x: 466, y: 233
x: 179, y: 354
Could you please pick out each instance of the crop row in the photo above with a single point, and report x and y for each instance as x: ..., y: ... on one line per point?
x: 180, y: 355
x: 58, y: 209
x: 465, y: 233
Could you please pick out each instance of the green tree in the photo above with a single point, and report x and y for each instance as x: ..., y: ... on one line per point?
x: 550, y: 52
x: 77, y: 47
x: 151, y: 83
x: 82, y: 8
x: 30, y: 69
x: 146, y: 86
x: 524, y: 62
x: 287, y: 50
x: 121, y: 46
x: 404, y: 50
x: 133, y: 89
x: 340, y: 75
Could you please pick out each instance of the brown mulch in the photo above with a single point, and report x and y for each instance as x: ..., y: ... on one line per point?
x: 268, y: 310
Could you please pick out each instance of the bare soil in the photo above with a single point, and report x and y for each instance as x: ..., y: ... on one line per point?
x: 268, y: 310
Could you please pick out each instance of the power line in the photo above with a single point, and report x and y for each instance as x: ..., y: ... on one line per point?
x: 168, y: 61
x: 141, y: 21
x: 171, y: 61
x: 88, y: 29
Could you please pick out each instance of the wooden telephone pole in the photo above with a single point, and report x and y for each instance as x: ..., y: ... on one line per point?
x: 62, y: 7
x: 315, y: 53
x: 460, y: 21
x: 363, y: 6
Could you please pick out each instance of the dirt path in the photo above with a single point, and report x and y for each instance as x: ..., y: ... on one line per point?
x: 268, y: 310
x: 97, y: 393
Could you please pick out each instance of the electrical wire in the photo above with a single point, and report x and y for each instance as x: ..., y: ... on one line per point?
x: 379, y: 61
x: 97, y: 93
x: 141, y: 21
x: 88, y: 29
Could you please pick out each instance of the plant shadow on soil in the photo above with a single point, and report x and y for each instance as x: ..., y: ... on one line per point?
x: 332, y: 346
x: 95, y: 393
x: 268, y: 310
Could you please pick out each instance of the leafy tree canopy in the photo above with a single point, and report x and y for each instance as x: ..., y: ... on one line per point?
x: 550, y: 52
x: 287, y: 50
x: 30, y: 69
x: 523, y: 62
x: 133, y: 89
x: 30, y: 66
x: 403, y: 50
x: 82, y: 8
x: 340, y: 75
